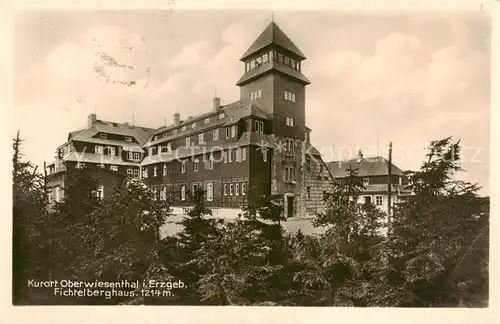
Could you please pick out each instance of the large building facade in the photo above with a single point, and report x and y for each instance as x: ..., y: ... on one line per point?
x: 257, y: 145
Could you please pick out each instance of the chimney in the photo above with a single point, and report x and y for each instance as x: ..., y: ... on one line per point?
x: 92, y: 120
x: 216, y: 104
x: 360, y: 156
x: 177, y: 119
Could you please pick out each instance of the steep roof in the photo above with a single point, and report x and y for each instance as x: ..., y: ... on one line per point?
x: 233, y: 113
x: 272, y: 35
x: 370, y: 166
x: 141, y: 134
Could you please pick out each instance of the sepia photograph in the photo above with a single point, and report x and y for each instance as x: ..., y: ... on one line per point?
x: 299, y: 158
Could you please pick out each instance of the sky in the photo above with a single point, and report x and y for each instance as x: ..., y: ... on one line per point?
x: 406, y: 78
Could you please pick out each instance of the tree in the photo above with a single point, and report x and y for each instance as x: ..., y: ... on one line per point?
x: 29, y: 245
x: 199, y: 228
x: 432, y: 229
x: 111, y: 239
x: 342, y: 266
x: 248, y: 260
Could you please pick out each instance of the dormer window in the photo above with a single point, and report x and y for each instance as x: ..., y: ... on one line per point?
x: 193, y: 125
x: 103, y: 135
x: 128, y: 139
x: 222, y: 115
x: 184, y: 128
x: 207, y: 120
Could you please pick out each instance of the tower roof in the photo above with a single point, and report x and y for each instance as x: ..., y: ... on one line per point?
x: 272, y: 35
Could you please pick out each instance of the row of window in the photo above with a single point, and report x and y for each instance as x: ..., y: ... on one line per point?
x: 104, y: 135
x: 184, y: 128
x: 290, y: 121
x: 106, y: 150
x: 236, y: 155
x: 289, y: 174
x: 289, y: 96
x: 270, y: 56
x: 255, y: 94
x: 234, y: 189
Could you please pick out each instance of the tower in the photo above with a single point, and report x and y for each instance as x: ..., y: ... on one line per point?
x: 273, y: 81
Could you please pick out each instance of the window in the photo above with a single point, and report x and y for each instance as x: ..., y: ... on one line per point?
x: 368, y: 199
x: 163, y: 193
x: 255, y: 94
x: 366, y: 181
x: 252, y: 64
x: 225, y: 189
x: 113, y: 168
x: 233, y: 131
x: 308, y: 163
x: 128, y: 139
x: 100, y: 192
x: 244, y: 154
x: 378, y: 201
x: 145, y: 173
x: 230, y: 189
x: 193, y: 125
x: 136, y: 173
x: 98, y: 149
x: 224, y: 156
x: 210, y: 191
x: 292, y: 63
x: 293, y: 97
x: 210, y: 163
x: 289, y: 96
x: 222, y: 115
x: 201, y: 138
x: 215, y: 134
x: 286, y: 95
x: 109, y: 150
x: 270, y: 55
x: 247, y: 66
x: 155, y: 171
x: 183, y: 167
x: 265, y: 58
x: 165, y: 169
x: 195, y: 165
x: 207, y: 120
x: 188, y: 141
x: 80, y: 165
x: 155, y: 192
x: 155, y: 137
x: 238, y: 155
x: 230, y: 155
x: 258, y: 61
x: 150, y: 151
x: 236, y: 189
x: 287, y: 60
x: 228, y: 132
x: 289, y: 174
x: 183, y: 192
x: 280, y: 58
x: 243, y: 188
x: 100, y: 165
x: 264, y: 155
x: 169, y: 147
x: 259, y: 127
x: 130, y: 172
x: 103, y: 135
x: 183, y: 128
x: 308, y: 192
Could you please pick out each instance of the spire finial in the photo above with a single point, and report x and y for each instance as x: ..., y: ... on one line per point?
x: 272, y: 16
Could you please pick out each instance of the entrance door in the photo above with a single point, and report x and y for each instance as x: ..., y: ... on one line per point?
x: 289, y: 206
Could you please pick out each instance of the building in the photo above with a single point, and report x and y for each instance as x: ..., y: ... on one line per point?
x: 257, y: 145
x: 107, y: 150
x: 375, y: 174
